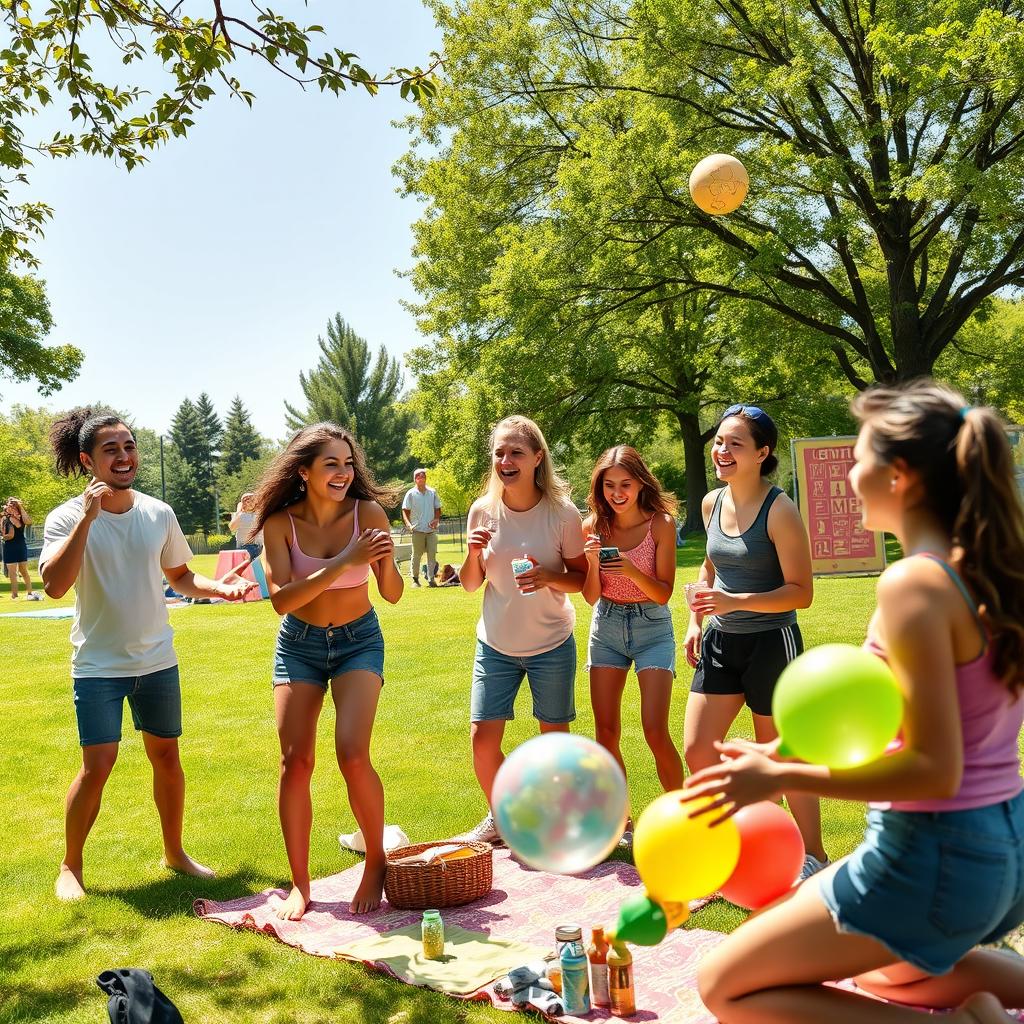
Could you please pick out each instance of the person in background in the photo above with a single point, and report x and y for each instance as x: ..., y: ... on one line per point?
x: 421, y: 512
x: 12, y: 529
x: 241, y: 526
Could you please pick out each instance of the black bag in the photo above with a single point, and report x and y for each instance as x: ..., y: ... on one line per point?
x: 134, y: 999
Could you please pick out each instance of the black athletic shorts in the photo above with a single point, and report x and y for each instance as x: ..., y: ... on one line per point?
x: 747, y: 663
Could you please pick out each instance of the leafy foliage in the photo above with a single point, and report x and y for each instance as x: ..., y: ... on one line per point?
x: 47, y: 58
x: 25, y: 320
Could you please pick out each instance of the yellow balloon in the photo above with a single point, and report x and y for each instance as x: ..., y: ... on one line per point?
x: 718, y: 184
x: 681, y: 858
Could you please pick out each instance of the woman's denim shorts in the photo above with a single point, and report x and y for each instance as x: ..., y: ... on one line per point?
x: 318, y: 654
x: 637, y: 634
x: 932, y: 886
x: 497, y: 678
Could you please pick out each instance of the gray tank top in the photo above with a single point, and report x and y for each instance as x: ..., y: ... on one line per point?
x: 748, y: 564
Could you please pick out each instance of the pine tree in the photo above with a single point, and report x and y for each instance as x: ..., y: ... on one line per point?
x: 193, y: 498
x: 240, y: 441
x: 211, y: 423
x: 346, y: 389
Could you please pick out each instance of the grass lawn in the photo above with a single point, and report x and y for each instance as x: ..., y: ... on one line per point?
x: 141, y: 916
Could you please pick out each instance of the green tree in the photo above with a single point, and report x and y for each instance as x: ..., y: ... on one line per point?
x: 350, y: 388
x: 47, y: 60
x: 192, y: 491
x: 211, y: 422
x: 25, y: 321
x: 884, y: 145
x: 241, y: 441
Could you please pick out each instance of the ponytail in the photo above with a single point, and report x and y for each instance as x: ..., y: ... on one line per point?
x: 967, y: 473
x: 75, y: 433
x: 989, y: 533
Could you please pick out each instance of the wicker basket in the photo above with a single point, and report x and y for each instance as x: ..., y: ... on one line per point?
x: 440, y: 884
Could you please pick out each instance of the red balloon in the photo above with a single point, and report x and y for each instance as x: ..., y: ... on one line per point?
x: 771, y: 856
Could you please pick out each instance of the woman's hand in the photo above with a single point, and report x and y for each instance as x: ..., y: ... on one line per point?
x: 592, y: 548
x: 478, y: 539
x: 370, y: 546
x: 745, y: 776
x: 713, y: 602
x: 692, y: 644
x: 534, y: 579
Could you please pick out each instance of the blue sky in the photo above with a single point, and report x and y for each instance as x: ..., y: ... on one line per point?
x: 216, y: 266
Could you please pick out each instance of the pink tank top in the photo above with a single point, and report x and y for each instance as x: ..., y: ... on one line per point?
x: 644, y: 557
x: 303, y: 565
x: 990, y: 719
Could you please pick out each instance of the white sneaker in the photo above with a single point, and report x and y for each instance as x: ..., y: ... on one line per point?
x: 34, y: 597
x: 812, y: 866
x: 483, y: 832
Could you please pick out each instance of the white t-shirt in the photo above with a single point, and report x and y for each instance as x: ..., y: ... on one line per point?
x: 243, y: 528
x: 511, y: 622
x: 422, y: 507
x: 121, y: 626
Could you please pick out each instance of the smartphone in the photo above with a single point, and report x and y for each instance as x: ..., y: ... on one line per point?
x: 608, y: 554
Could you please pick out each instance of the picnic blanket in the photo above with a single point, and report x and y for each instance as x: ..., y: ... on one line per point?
x: 523, y: 907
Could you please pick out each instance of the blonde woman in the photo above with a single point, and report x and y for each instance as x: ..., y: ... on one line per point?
x: 526, y: 624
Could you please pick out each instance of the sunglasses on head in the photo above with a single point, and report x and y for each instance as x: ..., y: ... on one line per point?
x: 753, y: 411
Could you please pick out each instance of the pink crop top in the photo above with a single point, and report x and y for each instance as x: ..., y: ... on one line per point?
x: 303, y: 565
x: 644, y: 557
x: 990, y: 720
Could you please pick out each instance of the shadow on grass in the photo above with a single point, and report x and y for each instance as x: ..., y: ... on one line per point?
x: 43, y: 1000
x: 174, y: 894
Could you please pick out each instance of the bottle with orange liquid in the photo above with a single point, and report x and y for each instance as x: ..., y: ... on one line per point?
x: 620, y: 981
x: 597, y: 954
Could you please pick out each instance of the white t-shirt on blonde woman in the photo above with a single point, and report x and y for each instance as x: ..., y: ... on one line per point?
x: 511, y: 622
x: 121, y: 628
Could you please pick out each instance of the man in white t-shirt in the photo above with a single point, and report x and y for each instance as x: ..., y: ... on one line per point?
x: 113, y: 545
x: 421, y: 511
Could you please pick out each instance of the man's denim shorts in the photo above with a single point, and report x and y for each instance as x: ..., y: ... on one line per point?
x: 155, y: 700
x: 932, y: 886
x: 318, y: 654
x: 637, y: 634
x: 551, y: 675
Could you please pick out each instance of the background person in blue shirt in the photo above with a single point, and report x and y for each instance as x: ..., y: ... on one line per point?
x: 421, y: 511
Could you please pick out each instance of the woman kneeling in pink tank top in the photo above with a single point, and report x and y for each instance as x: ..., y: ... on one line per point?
x: 941, y: 868
x: 324, y: 530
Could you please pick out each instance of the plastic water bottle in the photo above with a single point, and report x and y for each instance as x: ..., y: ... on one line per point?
x: 519, y: 566
x: 575, y: 983
x: 432, y: 931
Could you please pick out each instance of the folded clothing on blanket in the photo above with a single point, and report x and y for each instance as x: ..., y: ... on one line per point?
x: 530, y: 986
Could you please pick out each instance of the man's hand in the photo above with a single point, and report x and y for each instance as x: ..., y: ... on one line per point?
x: 93, y: 497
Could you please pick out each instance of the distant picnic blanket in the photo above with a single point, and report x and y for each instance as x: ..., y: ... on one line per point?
x: 523, y: 908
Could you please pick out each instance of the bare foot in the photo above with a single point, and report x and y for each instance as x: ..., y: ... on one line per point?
x: 185, y: 865
x: 292, y: 908
x: 69, y: 884
x: 367, y: 897
x: 981, y: 1008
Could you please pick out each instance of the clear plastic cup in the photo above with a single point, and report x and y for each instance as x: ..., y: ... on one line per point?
x: 690, y: 590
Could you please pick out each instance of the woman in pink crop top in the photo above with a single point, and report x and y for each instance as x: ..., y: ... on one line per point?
x: 941, y: 868
x: 632, y: 623
x: 324, y: 530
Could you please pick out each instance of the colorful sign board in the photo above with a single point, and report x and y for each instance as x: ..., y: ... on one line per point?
x: 831, y: 511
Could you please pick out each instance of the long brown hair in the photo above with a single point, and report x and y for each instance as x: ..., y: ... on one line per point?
x: 280, y: 485
x: 652, y: 498
x: 967, y: 471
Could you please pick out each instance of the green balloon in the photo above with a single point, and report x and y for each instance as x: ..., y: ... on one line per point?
x: 641, y: 922
x: 837, y: 705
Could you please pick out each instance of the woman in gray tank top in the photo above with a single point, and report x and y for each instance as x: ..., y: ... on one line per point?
x: 755, y: 575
